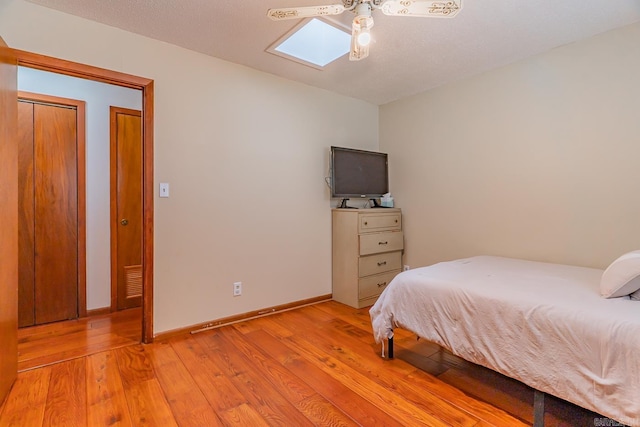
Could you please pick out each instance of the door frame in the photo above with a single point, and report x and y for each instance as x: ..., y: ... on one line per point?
x: 80, y: 186
x: 145, y: 85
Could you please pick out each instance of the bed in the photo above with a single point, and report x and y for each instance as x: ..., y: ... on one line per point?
x: 546, y: 325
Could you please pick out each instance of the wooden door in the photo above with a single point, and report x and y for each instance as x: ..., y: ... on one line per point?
x: 8, y: 220
x: 48, y: 219
x: 126, y: 208
x: 26, y: 214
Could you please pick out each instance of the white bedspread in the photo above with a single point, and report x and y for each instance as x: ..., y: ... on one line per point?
x: 545, y: 325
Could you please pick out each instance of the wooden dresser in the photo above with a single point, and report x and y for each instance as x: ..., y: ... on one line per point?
x: 367, y: 249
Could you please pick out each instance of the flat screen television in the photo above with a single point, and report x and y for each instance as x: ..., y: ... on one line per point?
x: 358, y: 173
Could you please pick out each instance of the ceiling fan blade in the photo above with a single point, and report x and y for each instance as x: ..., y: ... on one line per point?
x: 431, y: 8
x: 305, y: 11
x: 359, y: 51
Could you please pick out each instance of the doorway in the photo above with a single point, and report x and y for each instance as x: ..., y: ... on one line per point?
x: 41, y: 62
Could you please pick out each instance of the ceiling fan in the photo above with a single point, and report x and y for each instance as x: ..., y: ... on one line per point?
x: 363, y: 21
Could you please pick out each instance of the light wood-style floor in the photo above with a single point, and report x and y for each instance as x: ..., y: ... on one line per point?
x: 316, y: 365
x: 56, y: 342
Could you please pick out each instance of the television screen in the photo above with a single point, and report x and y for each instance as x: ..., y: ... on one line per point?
x: 358, y: 173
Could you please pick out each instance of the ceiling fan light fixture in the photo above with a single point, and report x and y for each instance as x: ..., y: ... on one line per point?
x: 364, y: 38
x: 363, y: 22
x: 358, y: 50
x: 361, y: 27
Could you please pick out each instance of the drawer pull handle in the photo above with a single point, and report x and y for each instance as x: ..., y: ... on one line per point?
x: 382, y: 243
x: 396, y: 221
x: 382, y: 284
x: 366, y: 223
x: 380, y: 264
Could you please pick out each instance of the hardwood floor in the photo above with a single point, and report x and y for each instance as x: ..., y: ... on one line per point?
x: 316, y: 365
x: 60, y: 341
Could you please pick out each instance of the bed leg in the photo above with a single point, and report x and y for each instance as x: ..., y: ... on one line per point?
x: 538, y: 408
x: 390, y: 347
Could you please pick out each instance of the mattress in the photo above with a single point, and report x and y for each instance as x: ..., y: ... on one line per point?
x: 545, y: 325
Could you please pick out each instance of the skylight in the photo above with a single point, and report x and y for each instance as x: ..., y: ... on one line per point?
x: 316, y: 42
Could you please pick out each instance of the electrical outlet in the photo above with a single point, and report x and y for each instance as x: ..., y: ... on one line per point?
x: 237, y: 289
x: 406, y: 267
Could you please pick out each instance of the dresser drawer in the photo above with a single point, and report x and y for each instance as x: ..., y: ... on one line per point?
x: 375, y: 243
x: 373, y: 285
x: 380, y: 222
x: 379, y: 263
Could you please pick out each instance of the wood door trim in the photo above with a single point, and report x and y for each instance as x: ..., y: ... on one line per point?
x: 47, y: 63
x: 113, y: 112
x: 80, y: 107
x: 69, y: 68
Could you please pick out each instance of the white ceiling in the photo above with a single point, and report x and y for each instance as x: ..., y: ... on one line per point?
x: 408, y: 55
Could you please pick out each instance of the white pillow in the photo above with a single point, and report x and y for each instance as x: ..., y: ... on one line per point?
x: 635, y: 295
x: 622, y: 277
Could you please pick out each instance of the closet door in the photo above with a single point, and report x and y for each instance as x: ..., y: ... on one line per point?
x: 126, y: 221
x: 26, y: 217
x: 48, y: 231
x: 56, y: 211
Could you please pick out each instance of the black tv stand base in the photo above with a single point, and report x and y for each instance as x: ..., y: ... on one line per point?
x: 374, y: 204
x: 343, y: 205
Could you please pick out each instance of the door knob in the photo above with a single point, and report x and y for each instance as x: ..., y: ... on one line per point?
x: 124, y: 221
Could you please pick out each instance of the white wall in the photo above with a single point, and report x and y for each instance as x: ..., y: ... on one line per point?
x: 245, y: 153
x: 98, y: 97
x: 535, y: 160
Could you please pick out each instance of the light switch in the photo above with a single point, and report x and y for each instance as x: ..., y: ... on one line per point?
x: 164, y: 189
